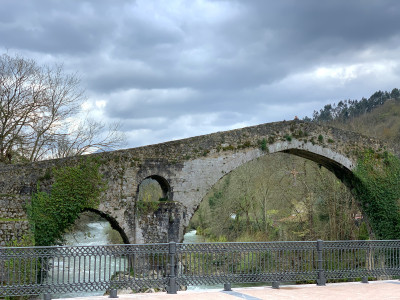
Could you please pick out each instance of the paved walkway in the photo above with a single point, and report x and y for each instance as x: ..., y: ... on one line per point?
x: 375, y: 290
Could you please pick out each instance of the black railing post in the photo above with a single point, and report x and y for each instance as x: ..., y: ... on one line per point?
x: 227, y: 287
x: 113, y: 293
x: 46, y: 297
x: 321, y: 280
x: 172, y: 288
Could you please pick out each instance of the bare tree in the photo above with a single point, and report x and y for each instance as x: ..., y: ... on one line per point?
x: 88, y: 136
x: 35, y: 104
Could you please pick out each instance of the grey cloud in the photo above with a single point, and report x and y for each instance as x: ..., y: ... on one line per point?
x: 231, y: 104
x: 248, y: 63
x: 263, y: 45
x: 303, y: 32
x: 68, y: 27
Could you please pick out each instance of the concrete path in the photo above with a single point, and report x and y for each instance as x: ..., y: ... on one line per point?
x: 375, y: 290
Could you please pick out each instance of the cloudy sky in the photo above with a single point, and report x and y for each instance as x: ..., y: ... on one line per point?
x: 179, y: 68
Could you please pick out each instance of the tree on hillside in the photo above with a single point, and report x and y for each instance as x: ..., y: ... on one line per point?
x: 347, y: 110
x: 36, y: 106
x: 395, y: 94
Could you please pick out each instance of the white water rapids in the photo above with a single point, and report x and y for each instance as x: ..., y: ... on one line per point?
x: 95, y: 233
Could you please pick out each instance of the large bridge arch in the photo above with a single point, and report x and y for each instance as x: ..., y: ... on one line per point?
x: 187, y: 169
x: 200, y: 175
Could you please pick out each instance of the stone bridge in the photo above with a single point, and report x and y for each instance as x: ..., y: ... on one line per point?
x: 186, y: 170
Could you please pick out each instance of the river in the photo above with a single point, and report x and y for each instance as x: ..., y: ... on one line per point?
x: 95, y: 233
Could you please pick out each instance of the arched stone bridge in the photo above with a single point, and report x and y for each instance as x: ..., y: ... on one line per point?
x: 186, y: 170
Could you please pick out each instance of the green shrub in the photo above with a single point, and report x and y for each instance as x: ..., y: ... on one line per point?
x: 146, y: 207
x: 377, y: 185
x: 263, y: 145
x: 75, y: 189
x: 287, y: 137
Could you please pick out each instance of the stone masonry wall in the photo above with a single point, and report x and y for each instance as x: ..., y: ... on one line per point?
x: 15, y: 224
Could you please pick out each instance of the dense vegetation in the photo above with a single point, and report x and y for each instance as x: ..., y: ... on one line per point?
x: 348, y: 110
x: 75, y: 188
x: 279, y: 197
x: 378, y: 190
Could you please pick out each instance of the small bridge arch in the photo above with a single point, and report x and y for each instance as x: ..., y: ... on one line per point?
x: 113, y: 223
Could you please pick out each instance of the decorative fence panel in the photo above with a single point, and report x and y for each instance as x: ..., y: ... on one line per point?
x: 220, y: 263
x: 352, y: 259
x: 56, y: 270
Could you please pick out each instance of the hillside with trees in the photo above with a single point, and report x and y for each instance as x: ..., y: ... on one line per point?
x: 383, y: 122
x: 349, y: 110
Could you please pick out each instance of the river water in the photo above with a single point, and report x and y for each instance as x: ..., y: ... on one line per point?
x: 192, y: 237
x: 95, y: 233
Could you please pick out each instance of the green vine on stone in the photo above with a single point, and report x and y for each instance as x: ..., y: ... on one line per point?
x: 263, y: 144
x: 75, y: 188
x: 378, y: 188
x: 147, y: 207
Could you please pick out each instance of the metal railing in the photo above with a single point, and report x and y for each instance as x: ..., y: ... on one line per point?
x: 169, y: 266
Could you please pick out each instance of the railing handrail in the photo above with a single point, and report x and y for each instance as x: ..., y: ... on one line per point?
x: 56, y: 269
x: 197, y: 243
